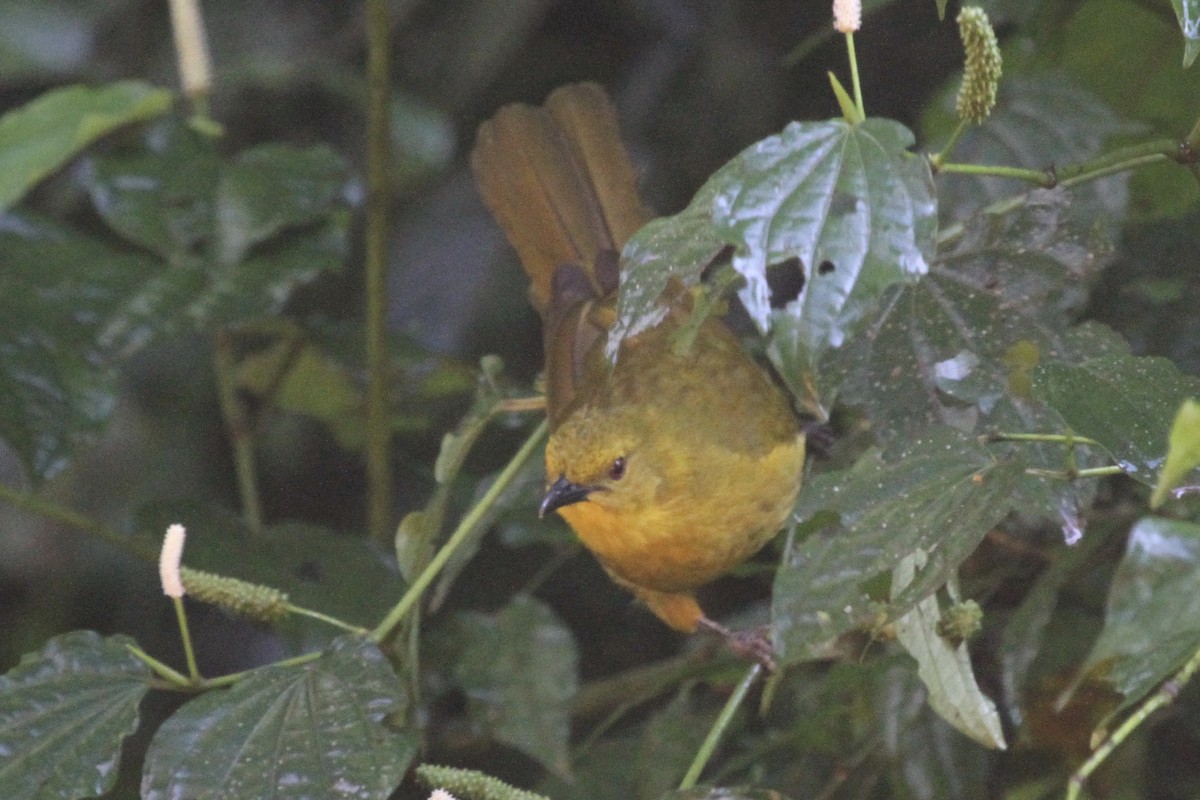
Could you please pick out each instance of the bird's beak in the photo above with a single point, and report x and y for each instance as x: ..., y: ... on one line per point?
x: 562, y: 493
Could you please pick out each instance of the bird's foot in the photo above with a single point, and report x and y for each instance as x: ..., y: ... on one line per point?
x: 752, y: 645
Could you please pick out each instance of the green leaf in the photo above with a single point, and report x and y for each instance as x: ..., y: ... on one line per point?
x: 941, y: 495
x: 235, y: 239
x: 319, y: 729
x: 64, y: 713
x: 1124, y: 402
x: 1029, y: 628
x: 723, y: 793
x: 56, y: 290
x: 159, y: 195
x: 1188, y: 14
x: 960, y: 346
x: 1183, y: 451
x: 678, y: 247
x: 42, y: 135
x: 518, y: 669
x: 270, y: 188
x: 846, y: 205
x: 304, y: 379
x: 850, y: 203
x: 1152, y: 623
x: 944, y: 668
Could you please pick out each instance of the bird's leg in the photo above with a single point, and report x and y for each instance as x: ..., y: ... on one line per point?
x: 753, y: 644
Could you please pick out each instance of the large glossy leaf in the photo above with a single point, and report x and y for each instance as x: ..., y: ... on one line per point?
x: 42, y: 135
x: 56, y: 290
x: 319, y: 729
x: 63, y: 715
x: 941, y: 495
x: 1125, y: 402
x: 519, y: 672
x: 846, y: 205
x: 1152, y: 623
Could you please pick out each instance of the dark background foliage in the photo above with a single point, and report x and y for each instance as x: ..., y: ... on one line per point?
x: 695, y: 83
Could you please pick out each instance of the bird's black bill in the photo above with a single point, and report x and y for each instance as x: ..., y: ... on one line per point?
x: 562, y: 493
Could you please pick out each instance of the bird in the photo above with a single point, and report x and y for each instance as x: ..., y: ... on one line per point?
x: 673, y: 464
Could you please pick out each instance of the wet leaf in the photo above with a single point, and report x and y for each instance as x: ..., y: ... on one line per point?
x: 846, y: 205
x: 63, y: 715
x: 1152, y: 623
x: 518, y: 669
x: 1124, y: 402
x: 319, y: 729
x: 961, y: 346
x: 42, y: 135
x: 1183, y: 451
x: 943, y: 667
x: 940, y: 495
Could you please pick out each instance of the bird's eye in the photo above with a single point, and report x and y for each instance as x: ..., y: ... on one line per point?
x: 616, y: 470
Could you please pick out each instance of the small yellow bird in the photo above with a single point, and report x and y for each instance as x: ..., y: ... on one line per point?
x: 672, y: 467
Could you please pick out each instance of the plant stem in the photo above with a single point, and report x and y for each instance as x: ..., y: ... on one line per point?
x: 1062, y: 438
x: 460, y: 534
x: 858, y: 96
x: 378, y: 424
x: 709, y: 746
x: 937, y: 160
x: 237, y: 425
x: 1118, y: 160
x: 1166, y: 694
x: 327, y: 619
x: 188, y: 651
x: 1064, y: 475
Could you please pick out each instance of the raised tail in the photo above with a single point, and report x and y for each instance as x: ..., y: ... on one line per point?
x: 559, y: 182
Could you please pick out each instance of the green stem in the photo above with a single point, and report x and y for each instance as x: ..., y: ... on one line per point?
x: 709, y: 746
x: 160, y: 669
x: 1063, y: 475
x: 237, y: 424
x: 1035, y: 176
x: 1118, y: 160
x: 937, y: 160
x: 378, y: 425
x: 188, y: 651
x: 406, y: 603
x: 1165, y: 695
x: 47, y: 510
x: 317, y: 615
x: 234, y: 677
x: 1059, y: 438
x: 858, y: 96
